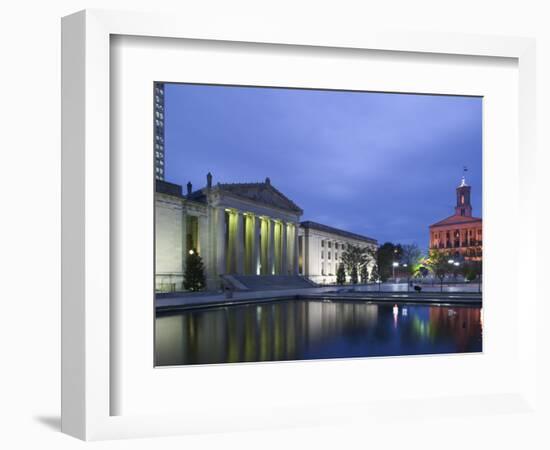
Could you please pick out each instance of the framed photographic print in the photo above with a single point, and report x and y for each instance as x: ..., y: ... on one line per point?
x: 241, y: 277
x: 266, y: 228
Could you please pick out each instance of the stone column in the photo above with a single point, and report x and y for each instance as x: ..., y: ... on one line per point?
x: 203, y: 239
x: 296, y: 253
x: 231, y: 253
x: 271, y: 248
x: 264, y: 246
x: 239, y: 244
x: 184, y: 248
x: 305, y: 252
x: 220, y: 241
x: 256, y: 246
x: 284, y: 252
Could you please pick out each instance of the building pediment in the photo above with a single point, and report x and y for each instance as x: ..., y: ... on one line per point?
x: 262, y: 193
x: 456, y: 220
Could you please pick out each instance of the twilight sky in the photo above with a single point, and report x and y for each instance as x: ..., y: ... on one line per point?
x: 382, y: 165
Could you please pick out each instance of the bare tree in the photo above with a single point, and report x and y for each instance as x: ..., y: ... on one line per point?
x: 356, y: 258
x: 410, y: 259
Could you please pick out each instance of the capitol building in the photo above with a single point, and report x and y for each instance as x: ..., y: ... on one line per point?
x: 242, y: 229
x: 459, y: 235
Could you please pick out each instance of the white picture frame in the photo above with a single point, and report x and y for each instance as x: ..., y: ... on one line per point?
x: 87, y: 354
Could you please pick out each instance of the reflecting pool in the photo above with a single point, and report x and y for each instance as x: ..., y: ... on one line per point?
x: 314, y: 329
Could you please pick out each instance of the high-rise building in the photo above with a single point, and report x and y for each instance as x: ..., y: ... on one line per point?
x: 159, y: 131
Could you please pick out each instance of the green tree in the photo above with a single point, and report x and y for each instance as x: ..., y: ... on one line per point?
x: 471, y: 270
x: 354, y: 276
x: 438, y: 264
x: 387, y: 254
x: 364, y: 272
x: 194, y: 279
x: 341, y: 274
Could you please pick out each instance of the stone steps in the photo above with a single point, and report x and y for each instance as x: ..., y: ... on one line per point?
x: 267, y: 282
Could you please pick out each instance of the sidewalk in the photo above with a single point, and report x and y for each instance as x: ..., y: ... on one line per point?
x: 333, y: 293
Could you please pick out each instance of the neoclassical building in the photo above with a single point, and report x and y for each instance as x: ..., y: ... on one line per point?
x: 240, y: 228
x: 321, y: 248
x: 459, y: 235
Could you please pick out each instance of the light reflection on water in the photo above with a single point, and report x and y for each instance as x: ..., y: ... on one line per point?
x: 312, y: 329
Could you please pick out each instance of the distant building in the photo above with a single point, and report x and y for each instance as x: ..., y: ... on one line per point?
x: 321, y: 249
x: 459, y: 235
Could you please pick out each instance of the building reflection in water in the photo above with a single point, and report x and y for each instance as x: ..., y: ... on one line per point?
x: 303, y: 329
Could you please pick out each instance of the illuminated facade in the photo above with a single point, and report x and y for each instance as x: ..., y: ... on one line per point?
x: 321, y: 248
x: 237, y: 229
x: 459, y: 235
x: 242, y: 229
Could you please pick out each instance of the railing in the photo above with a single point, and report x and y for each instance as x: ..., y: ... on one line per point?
x: 456, y: 244
x: 168, y: 282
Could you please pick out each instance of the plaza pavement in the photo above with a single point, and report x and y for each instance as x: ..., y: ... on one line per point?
x: 457, y: 294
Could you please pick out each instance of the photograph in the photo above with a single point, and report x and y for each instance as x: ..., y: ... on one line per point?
x: 298, y: 223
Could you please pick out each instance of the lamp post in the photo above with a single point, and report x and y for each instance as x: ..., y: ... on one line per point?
x: 394, y: 265
x: 408, y: 282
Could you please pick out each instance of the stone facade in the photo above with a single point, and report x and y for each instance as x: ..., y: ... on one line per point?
x: 321, y: 248
x: 242, y: 228
x: 459, y: 235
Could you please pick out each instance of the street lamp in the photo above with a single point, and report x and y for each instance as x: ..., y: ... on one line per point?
x: 394, y: 265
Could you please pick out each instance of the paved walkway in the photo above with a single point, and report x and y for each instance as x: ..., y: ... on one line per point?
x: 333, y: 293
x: 402, y: 287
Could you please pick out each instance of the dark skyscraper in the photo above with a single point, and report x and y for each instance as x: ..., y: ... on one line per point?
x: 159, y: 131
